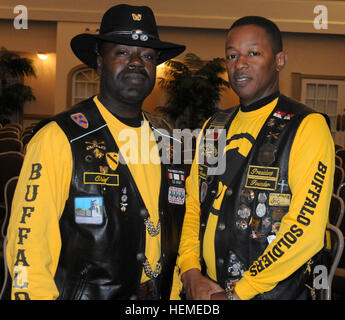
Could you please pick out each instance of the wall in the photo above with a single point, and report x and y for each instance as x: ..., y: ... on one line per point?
x: 43, y: 86
x: 40, y: 37
x: 313, y: 54
x: 201, y: 25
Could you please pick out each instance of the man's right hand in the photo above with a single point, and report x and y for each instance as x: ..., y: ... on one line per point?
x: 197, y: 286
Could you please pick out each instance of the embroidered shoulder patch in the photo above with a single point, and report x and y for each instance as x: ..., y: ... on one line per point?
x: 80, y: 120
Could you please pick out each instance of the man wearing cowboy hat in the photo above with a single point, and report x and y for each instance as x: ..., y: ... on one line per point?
x: 86, y: 222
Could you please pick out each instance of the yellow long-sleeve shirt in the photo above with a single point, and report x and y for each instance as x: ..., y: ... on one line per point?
x: 33, y: 234
x: 313, y: 144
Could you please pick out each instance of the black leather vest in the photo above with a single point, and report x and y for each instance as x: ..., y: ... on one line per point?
x: 257, y: 198
x: 103, y: 244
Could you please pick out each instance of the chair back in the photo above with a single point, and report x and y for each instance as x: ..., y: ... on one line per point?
x: 26, y: 138
x: 5, y: 293
x: 338, y: 178
x: 14, y: 125
x: 341, y: 153
x: 28, y: 130
x: 337, y: 243
x: 338, y: 161
x: 338, y: 147
x: 10, y: 187
x: 11, y: 144
x: 9, y: 134
x: 336, y: 210
x: 11, y: 163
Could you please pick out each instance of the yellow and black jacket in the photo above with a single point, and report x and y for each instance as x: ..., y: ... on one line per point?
x: 265, y: 216
x: 110, y: 216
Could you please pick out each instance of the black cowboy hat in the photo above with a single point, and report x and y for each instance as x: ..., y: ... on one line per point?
x: 127, y: 25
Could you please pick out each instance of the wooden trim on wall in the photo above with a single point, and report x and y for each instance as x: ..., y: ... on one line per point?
x: 291, y: 16
x: 32, y: 116
x: 296, y: 78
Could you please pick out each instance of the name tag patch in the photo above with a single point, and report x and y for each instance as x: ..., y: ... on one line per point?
x: 279, y: 199
x: 88, y: 210
x: 176, y: 195
x: 264, y: 178
x: 101, y: 178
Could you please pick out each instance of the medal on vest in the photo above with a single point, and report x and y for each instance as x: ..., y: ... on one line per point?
x: 124, y: 199
x: 247, y: 195
x: 235, y: 267
x: 275, y: 227
x: 243, y: 211
x: 266, y: 154
x: 97, y: 148
x: 254, y: 223
x: 266, y: 225
x: 261, y: 207
x: 241, y: 224
x: 277, y: 214
x: 260, y: 210
x: 271, y: 122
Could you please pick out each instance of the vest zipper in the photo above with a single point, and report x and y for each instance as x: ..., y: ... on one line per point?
x: 79, y: 289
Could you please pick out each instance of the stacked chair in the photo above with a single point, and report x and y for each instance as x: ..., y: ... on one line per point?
x: 11, y: 161
x: 337, y: 283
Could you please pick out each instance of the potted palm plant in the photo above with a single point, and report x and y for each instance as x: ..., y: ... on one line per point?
x: 194, y: 89
x: 13, y: 93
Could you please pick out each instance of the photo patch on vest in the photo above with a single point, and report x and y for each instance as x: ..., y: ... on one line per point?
x: 176, y: 195
x: 88, y: 210
x: 264, y: 178
x: 279, y: 199
x: 101, y: 178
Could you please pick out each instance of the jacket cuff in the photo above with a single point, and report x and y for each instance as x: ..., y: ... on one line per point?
x: 188, y: 263
x: 244, y: 290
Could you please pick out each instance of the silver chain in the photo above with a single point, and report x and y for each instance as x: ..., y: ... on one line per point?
x: 148, y: 270
x: 153, y: 232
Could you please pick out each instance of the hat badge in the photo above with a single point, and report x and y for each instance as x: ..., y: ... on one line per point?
x: 136, y: 16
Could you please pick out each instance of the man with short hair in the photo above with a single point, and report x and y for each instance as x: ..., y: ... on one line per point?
x: 92, y: 217
x: 256, y: 226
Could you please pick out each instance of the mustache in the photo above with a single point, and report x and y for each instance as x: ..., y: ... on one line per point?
x: 135, y: 70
